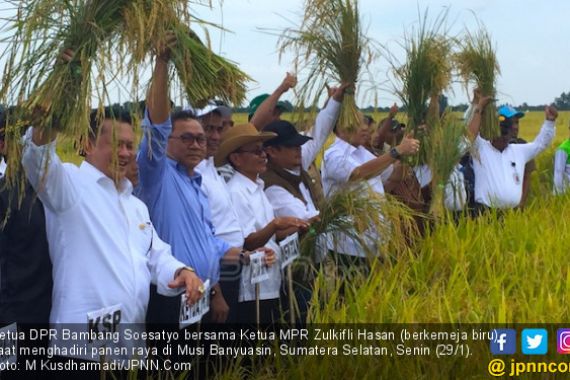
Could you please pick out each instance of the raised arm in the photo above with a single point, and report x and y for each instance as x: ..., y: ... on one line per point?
x: 374, y: 167
x: 544, y: 137
x: 324, y: 124
x: 264, y: 113
x: 384, y: 126
x: 480, y: 102
x: 43, y: 168
x: 158, y: 101
x: 47, y: 174
x: 156, y: 125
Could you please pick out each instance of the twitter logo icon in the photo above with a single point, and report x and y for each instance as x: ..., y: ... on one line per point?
x: 534, y: 341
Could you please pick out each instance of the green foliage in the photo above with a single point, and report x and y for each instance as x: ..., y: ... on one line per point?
x: 331, y: 44
x: 477, y: 64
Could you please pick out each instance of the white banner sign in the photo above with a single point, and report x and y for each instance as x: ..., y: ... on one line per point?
x: 193, y: 314
x: 8, y: 345
x: 290, y: 249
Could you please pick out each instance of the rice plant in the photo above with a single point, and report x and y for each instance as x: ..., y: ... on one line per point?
x: 424, y: 76
x: 111, y: 41
x: 477, y: 64
x: 331, y: 44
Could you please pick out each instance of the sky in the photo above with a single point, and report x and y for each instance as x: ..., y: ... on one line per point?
x: 531, y: 39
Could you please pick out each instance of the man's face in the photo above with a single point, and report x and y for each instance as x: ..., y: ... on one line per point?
x: 515, y: 128
x: 213, y: 127
x: 286, y: 157
x: 250, y: 159
x: 187, y: 143
x: 133, y: 173
x: 227, y: 123
x: 361, y: 136
x: 113, y: 151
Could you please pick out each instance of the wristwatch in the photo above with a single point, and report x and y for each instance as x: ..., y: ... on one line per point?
x: 395, y: 154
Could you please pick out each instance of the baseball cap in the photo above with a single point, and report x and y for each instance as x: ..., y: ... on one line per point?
x: 508, y: 112
x: 256, y: 102
x: 287, y: 134
x: 212, y: 106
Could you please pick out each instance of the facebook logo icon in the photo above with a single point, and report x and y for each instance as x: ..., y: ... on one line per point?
x: 504, y: 342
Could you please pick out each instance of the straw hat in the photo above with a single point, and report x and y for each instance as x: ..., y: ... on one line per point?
x: 236, y: 137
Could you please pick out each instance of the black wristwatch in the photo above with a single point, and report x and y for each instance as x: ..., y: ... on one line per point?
x: 395, y: 154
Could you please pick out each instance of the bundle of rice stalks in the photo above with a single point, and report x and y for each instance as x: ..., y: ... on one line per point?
x: 424, y: 76
x: 203, y: 74
x: 42, y: 31
x: 477, y: 64
x: 332, y: 45
x: 445, y: 147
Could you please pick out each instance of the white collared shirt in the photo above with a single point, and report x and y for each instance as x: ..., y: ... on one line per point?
x: 2, y: 167
x: 255, y: 212
x: 499, y: 175
x: 340, y: 160
x: 561, y: 172
x: 224, y: 217
x: 104, y: 249
x: 285, y: 204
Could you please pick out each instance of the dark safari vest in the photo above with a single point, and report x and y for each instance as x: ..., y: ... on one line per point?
x: 280, y: 177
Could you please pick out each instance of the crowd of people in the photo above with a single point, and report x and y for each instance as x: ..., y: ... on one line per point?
x: 137, y: 228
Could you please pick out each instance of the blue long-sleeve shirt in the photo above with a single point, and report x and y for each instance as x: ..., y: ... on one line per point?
x: 178, y: 207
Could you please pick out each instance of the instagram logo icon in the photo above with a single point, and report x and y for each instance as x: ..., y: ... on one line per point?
x: 563, y: 341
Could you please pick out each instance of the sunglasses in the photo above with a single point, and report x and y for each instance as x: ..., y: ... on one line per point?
x: 189, y: 139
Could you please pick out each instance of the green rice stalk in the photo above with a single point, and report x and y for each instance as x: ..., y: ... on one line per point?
x: 477, y: 64
x: 444, y: 150
x: 203, y: 74
x: 331, y: 45
x: 424, y: 76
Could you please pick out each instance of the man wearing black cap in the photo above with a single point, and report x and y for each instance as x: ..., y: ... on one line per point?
x: 289, y: 188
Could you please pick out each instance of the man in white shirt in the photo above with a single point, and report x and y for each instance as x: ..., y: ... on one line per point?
x: 348, y: 161
x: 223, y: 213
x: 242, y: 146
x: 291, y: 190
x: 562, y: 168
x: 103, y: 246
x: 499, y: 165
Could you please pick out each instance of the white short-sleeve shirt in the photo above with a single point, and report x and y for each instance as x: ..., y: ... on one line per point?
x: 255, y: 212
x: 499, y: 175
x: 224, y: 217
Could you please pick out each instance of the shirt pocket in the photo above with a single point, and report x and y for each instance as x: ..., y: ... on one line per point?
x: 143, y: 237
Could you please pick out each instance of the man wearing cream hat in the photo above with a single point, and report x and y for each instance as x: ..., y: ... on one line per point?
x: 242, y: 147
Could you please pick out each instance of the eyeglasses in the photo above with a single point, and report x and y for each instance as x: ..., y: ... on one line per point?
x: 189, y: 139
x: 257, y: 152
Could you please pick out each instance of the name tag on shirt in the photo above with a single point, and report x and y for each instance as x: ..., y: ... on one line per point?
x: 193, y: 314
x: 259, y: 271
x: 102, y: 322
x: 8, y: 345
x: 290, y: 249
